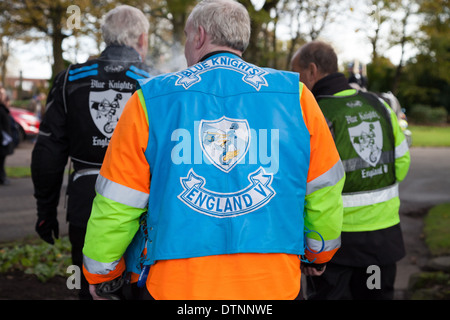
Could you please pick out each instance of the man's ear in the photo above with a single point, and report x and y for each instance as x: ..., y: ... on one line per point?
x: 313, y: 70
x: 141, y: 40
x: 201, y: 37
x: 142, y: 45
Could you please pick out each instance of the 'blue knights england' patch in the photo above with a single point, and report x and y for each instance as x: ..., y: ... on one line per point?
x: 227, y: 205
x: 225, y: 142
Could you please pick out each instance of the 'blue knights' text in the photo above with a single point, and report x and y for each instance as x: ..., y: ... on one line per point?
x: 253, y: 75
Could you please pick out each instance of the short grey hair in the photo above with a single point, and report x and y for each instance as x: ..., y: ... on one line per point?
x: 123, y: 25
x: 227, y: 22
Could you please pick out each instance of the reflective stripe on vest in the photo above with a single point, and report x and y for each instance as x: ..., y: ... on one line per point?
x: 85, y: 172
x: 121, y: 194
x: 401, y: 149
x: 329, y: 245
x: 368, y: 198
x: 96, y: 267
x: 328, y: 179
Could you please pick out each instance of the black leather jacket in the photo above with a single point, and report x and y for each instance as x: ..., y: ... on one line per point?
x: 82, y: 110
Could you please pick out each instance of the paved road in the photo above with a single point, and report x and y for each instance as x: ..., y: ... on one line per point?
x: 427, y: 184
x: 17, y: 204
x: 428, y: 180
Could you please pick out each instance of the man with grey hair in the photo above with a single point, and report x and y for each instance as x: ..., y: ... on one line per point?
x: 83, y: 108
x: 221, y: 34
x: 126, y: 26
x: 219, y: 221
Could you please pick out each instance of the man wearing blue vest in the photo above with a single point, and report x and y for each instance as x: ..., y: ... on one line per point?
x: 376, y: 158
x: 219, y: 173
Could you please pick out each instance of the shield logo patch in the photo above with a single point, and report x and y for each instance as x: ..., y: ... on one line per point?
x: 367, y: 140
x: 225, y: 141
x: 106, y: 107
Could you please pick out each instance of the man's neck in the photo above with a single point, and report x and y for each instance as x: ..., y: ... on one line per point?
x: 212, y: 49
x: 213, y: 53
x: 330, y: 84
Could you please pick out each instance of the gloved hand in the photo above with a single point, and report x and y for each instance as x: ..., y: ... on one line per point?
x: 312, y: 269
x: 93, y: 292
x: 47, y: 229
x: 110, y: 290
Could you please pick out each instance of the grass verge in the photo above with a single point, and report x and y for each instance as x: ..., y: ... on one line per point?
x: 18, y: 172
x: 434, y: 284
x: 429, y: 136
x: 437, y: 230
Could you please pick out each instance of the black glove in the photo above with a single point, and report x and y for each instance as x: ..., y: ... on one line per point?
x: 111, y: 290
x: 45, y: 228
x: 318, y: 267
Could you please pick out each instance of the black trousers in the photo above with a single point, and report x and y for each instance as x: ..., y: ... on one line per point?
x: 351, y: 283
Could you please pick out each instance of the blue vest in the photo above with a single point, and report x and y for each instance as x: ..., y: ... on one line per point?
x: 229, y: 155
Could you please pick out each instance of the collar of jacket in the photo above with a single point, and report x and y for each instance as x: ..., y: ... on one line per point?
x: 217, y: 52
x: 330, y: 85
x: 123, y: 53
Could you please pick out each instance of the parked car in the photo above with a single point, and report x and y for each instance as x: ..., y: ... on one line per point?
x: 27, y: 122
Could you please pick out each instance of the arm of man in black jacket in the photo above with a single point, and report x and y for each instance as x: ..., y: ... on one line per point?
x: 49, y: 159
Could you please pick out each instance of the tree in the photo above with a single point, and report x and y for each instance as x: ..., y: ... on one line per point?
x: 8, y: 33
x: 436, y: 26
x: 167, y: 22
x: 307, y: 19
x: 178, y: 11
x: 4, y: 55
x: 427, y: 76
x: 4, y: 48
x: 401, y: 37
x: 260, y: 20
x: 381, y: 12
x: 48, y: 17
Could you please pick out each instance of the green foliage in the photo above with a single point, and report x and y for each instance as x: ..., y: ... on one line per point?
x: 422, y: 114
x: 43, y: 260
x: 421, y: 83
x: 426, y: 77
x: 437, y: 229
x: 381, y: 75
